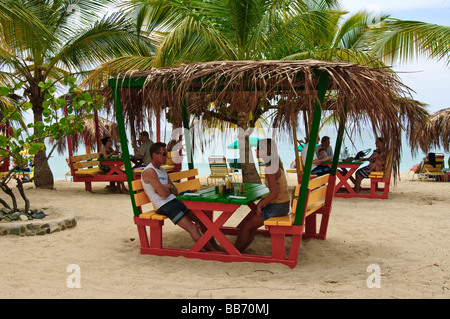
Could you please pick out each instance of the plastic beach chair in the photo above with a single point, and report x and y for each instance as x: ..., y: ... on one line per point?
x: 219, y: 168
x: 432, y: 167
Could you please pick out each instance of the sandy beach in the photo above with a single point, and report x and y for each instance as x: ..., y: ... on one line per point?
x: 405, y: 236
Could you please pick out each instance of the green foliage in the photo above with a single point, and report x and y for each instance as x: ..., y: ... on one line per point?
x: 23, y: 144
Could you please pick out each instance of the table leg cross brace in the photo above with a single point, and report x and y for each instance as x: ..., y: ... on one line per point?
x: 343, y: 180
x: 213, y: 230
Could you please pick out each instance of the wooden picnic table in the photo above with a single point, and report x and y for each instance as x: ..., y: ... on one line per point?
x: 344, y: 174
x: 115, y: 165
x: 206, y: 202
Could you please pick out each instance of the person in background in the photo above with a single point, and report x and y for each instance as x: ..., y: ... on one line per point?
x: 325, y: 144
x: 319, y: 168
x: 143, y: 151
x: 107, y: 151
x: 273, y: 205
x: 377, y: 158
x: 305, y: 151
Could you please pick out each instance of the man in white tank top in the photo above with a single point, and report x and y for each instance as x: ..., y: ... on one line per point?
x: 163, y: 194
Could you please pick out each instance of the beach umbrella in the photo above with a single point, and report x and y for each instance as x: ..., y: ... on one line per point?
x: 252, y: 140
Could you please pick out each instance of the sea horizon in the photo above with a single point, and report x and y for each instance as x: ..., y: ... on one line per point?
x: 218, y: 146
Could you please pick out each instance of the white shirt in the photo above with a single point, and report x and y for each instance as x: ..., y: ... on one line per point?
x: 155, y: 198
x: 304, y: 151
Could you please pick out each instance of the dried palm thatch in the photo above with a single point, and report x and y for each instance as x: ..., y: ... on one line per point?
x: 88, y: 136
x: 436, y: 132
x: 232, y: 90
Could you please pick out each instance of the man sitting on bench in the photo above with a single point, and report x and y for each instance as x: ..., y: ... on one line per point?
x: 143, y: 151
x: 163, y: 194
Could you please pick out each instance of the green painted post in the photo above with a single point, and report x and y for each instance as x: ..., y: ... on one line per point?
x: 323, y: 80
x: 187, y: 135
x: 124, y: 146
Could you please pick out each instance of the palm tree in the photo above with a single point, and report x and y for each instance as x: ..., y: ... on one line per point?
x: 210, y: 30
x: 73, y: 38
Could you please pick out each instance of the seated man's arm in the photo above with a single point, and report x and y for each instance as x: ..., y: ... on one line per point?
x: 150, y: 177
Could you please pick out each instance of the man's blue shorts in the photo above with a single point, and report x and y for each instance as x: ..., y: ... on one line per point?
x: 275, y: 210
x: 174, y: 209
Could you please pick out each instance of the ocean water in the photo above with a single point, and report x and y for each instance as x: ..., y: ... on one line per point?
x: 217, y: 145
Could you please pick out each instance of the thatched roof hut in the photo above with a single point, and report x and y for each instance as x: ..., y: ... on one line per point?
x: 89, y: 137
x: 233, y: 90
x: 436, y: 133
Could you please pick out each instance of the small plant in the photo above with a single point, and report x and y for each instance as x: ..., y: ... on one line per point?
x: 20, y: 146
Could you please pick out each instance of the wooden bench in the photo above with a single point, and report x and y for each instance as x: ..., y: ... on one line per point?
x: 85, y: 168
x: 380, y: 178
x: 148, y: 216
x: 377, y: 178
x: 186, y: 180
x: 318, y: 201
x: 379, y: 184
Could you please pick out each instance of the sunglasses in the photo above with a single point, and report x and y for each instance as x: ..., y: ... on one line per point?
x: 163, y: 153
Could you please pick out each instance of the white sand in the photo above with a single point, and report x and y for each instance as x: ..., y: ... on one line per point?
x: 406, y: 236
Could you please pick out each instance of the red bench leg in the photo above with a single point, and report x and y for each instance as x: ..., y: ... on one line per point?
x: 155, y: 232
x: 277, y: 238
x: 277, y: 241
x: 143, y: 236
x: 374, y: 187
x: 88, y: 186
x: 311, y: 225
x: 324, y: 226
x: 295, y: 244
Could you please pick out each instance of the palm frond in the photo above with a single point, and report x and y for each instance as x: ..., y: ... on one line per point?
x: 337, y: 54
x: 354, y: 28
x: 106, y: 39
x: 398, y: 40
x: 20, y: 28
x: 98, y: 78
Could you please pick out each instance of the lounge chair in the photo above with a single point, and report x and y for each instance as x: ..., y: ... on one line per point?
x: 414, y: 170
x: 219, y: 168
x: 432, y: 166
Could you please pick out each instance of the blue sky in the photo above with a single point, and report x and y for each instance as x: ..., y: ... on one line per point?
x: 429, y: 79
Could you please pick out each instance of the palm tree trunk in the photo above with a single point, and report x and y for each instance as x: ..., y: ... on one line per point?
x: 43, y: 176
x: 249, y: 172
